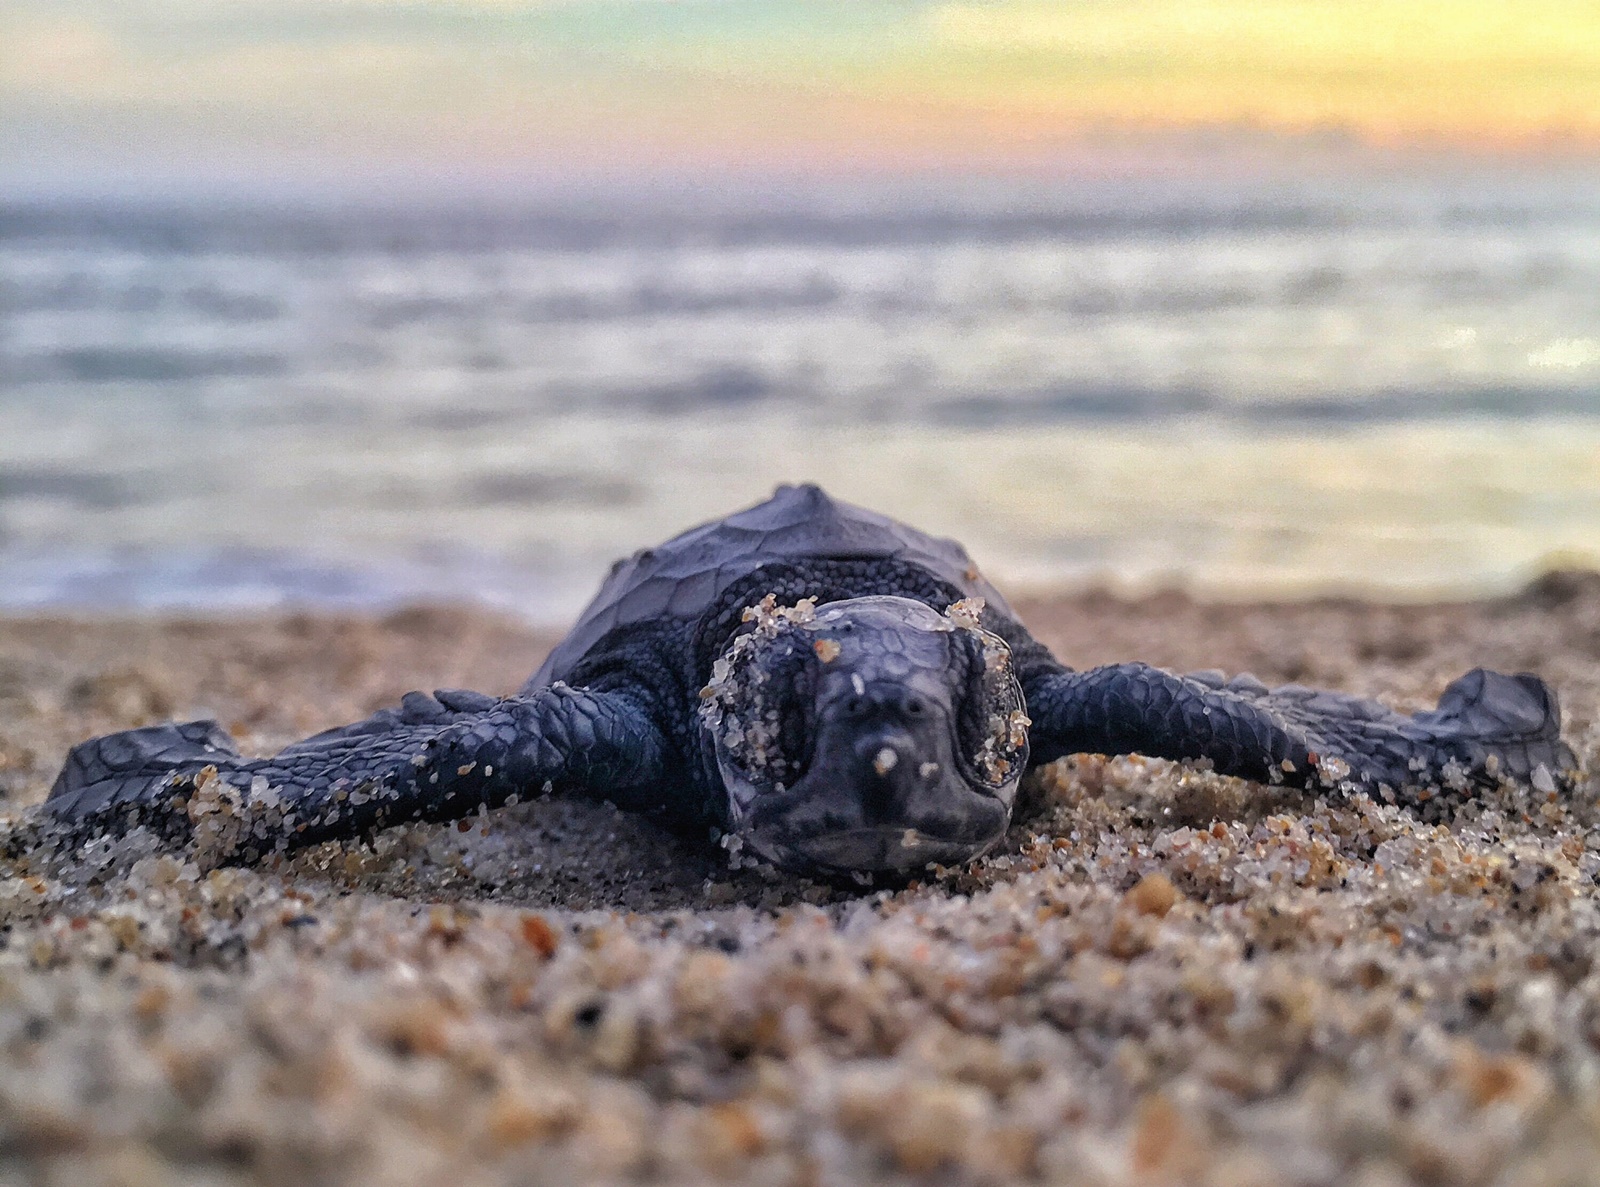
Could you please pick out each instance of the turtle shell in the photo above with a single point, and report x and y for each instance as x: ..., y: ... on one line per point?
x: 684, y: 577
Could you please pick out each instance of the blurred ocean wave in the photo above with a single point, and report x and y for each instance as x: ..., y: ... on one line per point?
x: 1391, y: 388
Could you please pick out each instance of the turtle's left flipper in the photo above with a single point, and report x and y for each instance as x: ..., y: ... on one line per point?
x: 433, y: 758
x: 1487, y: 725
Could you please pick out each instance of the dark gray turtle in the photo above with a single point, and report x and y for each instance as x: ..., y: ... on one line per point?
x: 830, y: 688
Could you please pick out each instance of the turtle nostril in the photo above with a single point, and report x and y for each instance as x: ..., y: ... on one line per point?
x: 907, y: 705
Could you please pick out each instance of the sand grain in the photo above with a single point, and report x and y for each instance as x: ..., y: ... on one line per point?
x: 1164, y: 976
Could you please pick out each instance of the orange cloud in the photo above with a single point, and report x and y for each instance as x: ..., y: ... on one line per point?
x: 1387, y: 72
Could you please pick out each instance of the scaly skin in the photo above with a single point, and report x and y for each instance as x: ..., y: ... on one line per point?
x: 435, y: 758
x: 1487, y: 724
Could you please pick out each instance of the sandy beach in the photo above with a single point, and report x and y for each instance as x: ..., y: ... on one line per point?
x: 1163, y: 975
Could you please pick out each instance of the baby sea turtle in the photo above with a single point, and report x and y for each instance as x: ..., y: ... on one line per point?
x: 827, y: 688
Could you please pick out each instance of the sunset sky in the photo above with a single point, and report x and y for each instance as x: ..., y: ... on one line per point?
x: 248, y: 90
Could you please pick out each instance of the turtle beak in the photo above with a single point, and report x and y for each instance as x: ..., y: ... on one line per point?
x: 885, y: 790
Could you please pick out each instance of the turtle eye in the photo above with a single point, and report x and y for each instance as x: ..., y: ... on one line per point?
x: 761, y: 711
x: 796, y: 720
x: 991, y: 723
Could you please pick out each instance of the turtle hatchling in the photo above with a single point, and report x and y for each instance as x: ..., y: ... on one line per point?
x: 833, y: 690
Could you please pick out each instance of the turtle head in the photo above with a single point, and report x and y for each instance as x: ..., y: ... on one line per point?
x: 869, y: 734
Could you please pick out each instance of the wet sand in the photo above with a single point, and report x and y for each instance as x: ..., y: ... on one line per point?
x: 1164, y: 975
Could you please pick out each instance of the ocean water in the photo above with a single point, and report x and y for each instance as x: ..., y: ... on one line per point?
x: 1384, y: 387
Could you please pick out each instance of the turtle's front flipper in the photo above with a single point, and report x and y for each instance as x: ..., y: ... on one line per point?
x: 434, y: 758
x: 1487, y: 724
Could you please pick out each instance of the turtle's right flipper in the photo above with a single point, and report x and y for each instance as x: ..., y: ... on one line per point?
x: 1487, y: 725
x: 434, y: 758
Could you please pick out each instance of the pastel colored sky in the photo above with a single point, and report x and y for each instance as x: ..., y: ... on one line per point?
x: 509, y: 88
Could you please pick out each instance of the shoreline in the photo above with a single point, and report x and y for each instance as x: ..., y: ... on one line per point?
x: 1162, y: 975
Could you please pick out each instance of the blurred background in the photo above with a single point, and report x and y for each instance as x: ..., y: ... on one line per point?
x: 363, y: 301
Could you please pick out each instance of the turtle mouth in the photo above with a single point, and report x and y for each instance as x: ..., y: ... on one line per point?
x: 871, y: 849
